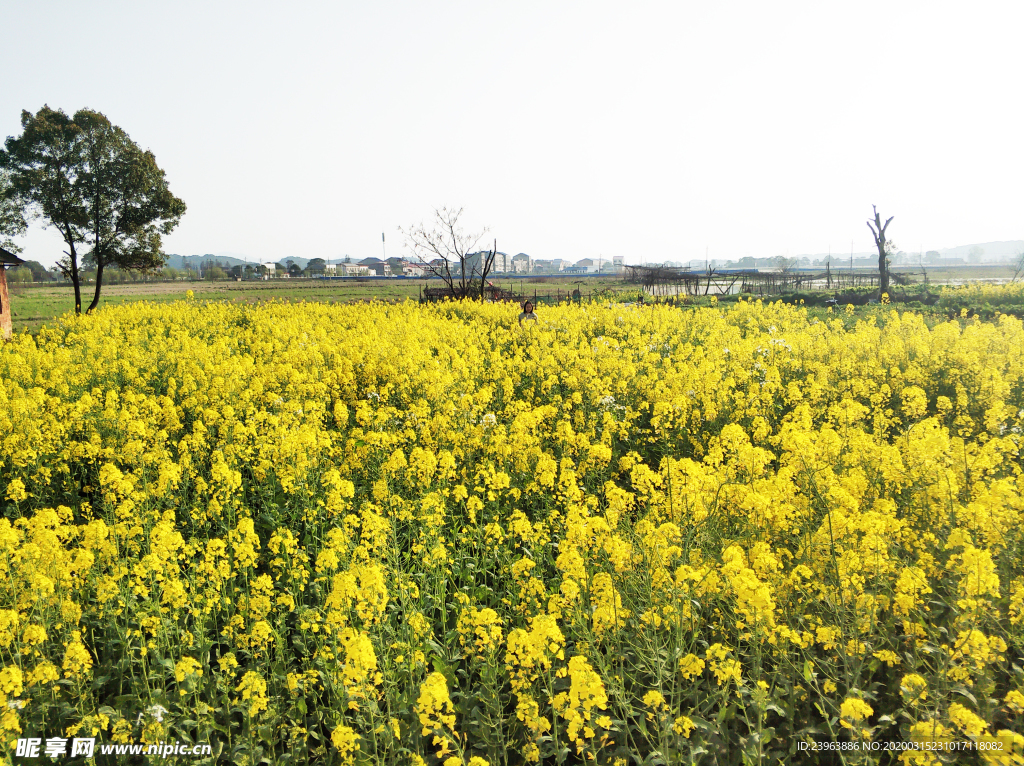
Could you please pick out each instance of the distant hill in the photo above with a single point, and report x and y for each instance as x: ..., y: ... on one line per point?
x: 993, y: 250
x: 193, y: 262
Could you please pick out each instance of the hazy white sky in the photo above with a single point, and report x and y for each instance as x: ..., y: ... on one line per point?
x: 649, y: 130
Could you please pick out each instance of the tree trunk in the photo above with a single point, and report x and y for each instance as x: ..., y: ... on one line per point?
x: 78, y: 289
x: 878, y: 232
x: 487, y: 263
x: 99, y: 284
x: 73, y: 256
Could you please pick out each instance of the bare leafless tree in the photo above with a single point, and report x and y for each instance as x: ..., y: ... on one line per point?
x: 711, y: 274
x: 1018, y: 266
x: 784, y: 264
x: 445, y: 251
x: 878, y: 232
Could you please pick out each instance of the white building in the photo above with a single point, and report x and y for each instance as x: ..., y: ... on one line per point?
x: 475, y: 262
x: 376, y: 267
x: 522, y: 263
x: 594, y: 266
x: 552, y: 265
x: 502, y: 262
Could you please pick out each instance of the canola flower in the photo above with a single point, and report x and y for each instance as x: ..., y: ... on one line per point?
x: 410, y: 534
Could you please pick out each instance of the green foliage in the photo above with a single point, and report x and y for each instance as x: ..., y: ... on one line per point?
x: 12, y: 220
x: 20, y: 274
x: 39, y: 272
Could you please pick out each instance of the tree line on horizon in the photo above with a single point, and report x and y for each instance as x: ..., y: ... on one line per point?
x: 35, y: 272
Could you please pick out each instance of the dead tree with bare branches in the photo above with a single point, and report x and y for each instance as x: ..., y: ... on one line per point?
x: 1018, y: 267
x: 444, y: 249
x: 878, y: 232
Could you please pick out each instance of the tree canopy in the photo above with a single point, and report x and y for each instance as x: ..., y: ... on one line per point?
x: 12, y: 221
x: 85, y: 177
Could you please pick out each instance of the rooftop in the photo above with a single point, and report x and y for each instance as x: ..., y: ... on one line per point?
x: 7, y: 258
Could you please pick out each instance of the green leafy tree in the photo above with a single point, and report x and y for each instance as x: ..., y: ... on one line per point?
x: 12, y: 221
x: 44, y: 165
x: 19, y: 275
x: 107, y: 197
x: 39, y: 272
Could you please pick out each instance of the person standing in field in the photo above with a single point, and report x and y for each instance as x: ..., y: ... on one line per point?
x: 527, y: 315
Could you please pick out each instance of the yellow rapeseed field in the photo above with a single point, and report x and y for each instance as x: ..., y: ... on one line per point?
x: 397, y: 534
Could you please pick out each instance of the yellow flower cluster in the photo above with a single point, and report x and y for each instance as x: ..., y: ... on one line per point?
x: 629, y: 532
x: 434, y: 708
x: 585, y: 695
x: 479, y: 630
